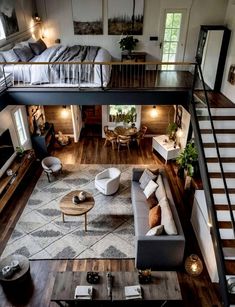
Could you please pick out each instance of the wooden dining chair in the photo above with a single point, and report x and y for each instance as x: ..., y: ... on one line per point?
x: 110, y: 136
x: 123, y: 140
x: 140, y: 134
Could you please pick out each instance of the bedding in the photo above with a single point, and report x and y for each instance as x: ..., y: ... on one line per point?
x: 84, y: 75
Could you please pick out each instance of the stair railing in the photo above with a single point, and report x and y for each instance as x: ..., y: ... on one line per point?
x: 208, y: 189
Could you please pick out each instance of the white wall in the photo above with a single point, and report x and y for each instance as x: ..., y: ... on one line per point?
x: 59, y: 23
x: 228, y: 89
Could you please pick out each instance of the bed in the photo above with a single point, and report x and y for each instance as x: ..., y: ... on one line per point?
x: 83, y: 75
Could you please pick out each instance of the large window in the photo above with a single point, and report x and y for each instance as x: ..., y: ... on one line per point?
x: 20, y: 127
x: 172, y: 31
x: 117, y: 113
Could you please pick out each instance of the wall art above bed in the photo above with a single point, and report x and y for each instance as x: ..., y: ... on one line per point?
x: 125, y: 17
x: 8, y: 17
x: 87, y: 17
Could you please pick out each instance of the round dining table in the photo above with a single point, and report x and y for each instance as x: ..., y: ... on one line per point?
x: 126, y: 131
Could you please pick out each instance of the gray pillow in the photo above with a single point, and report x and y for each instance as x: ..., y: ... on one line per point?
x: 24, y: 54
x: 10, y: 56
x: 146, y: 177
x: 38, y: 47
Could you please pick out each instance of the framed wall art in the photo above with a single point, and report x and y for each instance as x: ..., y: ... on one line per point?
x: 8, y: 17
x: 87, y: 17
x: 125, y: 17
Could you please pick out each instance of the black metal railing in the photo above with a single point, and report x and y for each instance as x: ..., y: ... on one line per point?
x: 216, y: 238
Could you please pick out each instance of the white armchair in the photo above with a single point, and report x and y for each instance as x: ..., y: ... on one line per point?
x: 51, y: 165
x: 107, y: 182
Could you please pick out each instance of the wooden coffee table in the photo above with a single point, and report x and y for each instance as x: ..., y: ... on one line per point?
x: 67, y: 207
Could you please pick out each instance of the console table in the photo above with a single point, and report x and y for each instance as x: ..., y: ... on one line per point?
x: 165, y: 147
x: 164, y: 287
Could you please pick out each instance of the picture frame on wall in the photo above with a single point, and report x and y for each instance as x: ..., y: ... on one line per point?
x: 231, y: 74
x: 8, y: 17
x: 87, y: 17
x: 125, y: 17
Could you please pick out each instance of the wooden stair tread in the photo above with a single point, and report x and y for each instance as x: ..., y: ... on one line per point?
x: 228, y: 243
x: 218, y: 175
x: 223, y: 207
x: 221, y: 191
x: 218, y: 131
x: 224, y: 160
x: 215, y: 117
x: 225, y: 225
x: 221, y: 145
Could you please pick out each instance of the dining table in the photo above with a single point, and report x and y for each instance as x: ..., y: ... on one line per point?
x: 126, y: 131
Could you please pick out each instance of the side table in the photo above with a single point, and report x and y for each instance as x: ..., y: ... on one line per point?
x: 166, y: 149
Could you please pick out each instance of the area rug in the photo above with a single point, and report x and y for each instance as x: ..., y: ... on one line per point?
x: 41, y: 234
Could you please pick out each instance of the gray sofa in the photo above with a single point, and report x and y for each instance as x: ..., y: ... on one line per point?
x: 164, y: 252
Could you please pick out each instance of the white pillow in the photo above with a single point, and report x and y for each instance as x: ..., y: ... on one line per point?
x: 150, y: 188
x: 10, y: 56
x: 155, y: 231
x: 146, y: 176
x: 167, y: 217
x: 160, y: 192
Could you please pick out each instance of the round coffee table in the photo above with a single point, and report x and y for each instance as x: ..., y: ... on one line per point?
x: 67, y: 207
x: 20, y: 274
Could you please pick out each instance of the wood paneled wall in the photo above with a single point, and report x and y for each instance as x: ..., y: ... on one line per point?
x: 55, y: 115
x: 159, y: 124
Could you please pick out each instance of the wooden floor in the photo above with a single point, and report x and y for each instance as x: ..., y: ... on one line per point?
x: 195, y: 291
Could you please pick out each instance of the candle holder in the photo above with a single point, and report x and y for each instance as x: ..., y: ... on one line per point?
x: 145, y: 276
x: 193, y: 265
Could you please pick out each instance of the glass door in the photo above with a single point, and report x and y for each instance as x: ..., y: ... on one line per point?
x: 174, y: 33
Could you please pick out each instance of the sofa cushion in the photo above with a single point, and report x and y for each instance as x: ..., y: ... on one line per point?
x: 167, y: 217
x: 146, y: 177
x: 152, y: 200
x: 155, y: 216
x: 150, y: 188
x: 155, y: 231
x: 160, y: 191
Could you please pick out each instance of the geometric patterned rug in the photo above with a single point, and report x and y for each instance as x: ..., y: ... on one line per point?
x: 41, y: 234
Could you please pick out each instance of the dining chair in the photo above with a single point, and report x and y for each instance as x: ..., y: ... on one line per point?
x: 110, y: 136
x: 123, y: 140
x: 140, y: 134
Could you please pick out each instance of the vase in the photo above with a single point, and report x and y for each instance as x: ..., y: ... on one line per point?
x: 82, y: 196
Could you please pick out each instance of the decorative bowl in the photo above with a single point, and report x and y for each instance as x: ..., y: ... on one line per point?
x: 75, y: 199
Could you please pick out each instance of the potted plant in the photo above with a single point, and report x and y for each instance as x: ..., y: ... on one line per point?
x: 128, y: 43
x: 187, y: 161
x: 130, y: 116
x: 171, y: 130
x: 20, y: 152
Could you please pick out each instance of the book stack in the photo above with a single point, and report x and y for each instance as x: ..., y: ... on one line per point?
x: 83, y: 292
x: 133, y: 292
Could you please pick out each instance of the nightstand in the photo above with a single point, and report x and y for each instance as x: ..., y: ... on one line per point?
x: 135, y: 56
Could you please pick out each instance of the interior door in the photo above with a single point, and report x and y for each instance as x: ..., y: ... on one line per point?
x: 174, y: 28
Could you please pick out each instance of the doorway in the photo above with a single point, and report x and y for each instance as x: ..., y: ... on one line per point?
x: 92, y: 120
x: 173, y: 37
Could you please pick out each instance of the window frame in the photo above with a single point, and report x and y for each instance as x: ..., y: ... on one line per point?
x: 20, y: 126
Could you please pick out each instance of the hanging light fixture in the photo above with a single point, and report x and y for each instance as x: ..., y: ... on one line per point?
x: 64, y: 112
x: 154, y: 112
x: 193, y: 265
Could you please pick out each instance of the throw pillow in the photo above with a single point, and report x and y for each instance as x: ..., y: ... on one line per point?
x: 167, y: 217
x: 38, y: 47
x: 160, y: 191
x: 150, y: 188
x: 10, y: 56
x: 155, y: 231
x: 24, y: 53
x: 146, y: 177
x: 155, y: 216
x: 152, y: 200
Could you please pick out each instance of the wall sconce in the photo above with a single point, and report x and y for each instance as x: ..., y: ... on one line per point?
x: 36, y: 18
x: 45, y: 33
x: 193, y: 265
x: 154, y: 112
x: 64, y: 112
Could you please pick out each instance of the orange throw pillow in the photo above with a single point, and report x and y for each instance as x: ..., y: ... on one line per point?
x: 155, y: 216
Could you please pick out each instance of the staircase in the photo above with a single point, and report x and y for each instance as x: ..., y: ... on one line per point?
x: 220, y: 171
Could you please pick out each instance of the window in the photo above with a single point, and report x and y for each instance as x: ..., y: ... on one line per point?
x: 20, y: 127
x: 171, y: 38
x: 117, y: 113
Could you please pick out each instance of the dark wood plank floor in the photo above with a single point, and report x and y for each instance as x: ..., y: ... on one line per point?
x: 195, y: 291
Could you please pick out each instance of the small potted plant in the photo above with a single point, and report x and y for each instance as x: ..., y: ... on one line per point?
x: 171, y: 130
x: 20, y: 152
x: 128, y: 43
x: 130, y: 116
